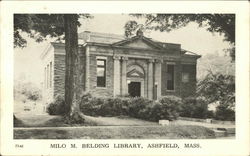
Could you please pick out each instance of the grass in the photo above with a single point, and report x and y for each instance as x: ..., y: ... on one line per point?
x: 116, y: 132
x: 54, y: 127
x: 29, y: 120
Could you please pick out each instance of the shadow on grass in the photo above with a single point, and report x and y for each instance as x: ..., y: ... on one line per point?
x: 41, y: 134
x: 117, y: 132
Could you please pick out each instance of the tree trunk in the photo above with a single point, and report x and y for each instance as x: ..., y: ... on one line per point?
x: 72, y: 65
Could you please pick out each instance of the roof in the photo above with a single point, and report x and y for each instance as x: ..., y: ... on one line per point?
x: 106, y: 38
x: 189, y: 53
x: 120, y: 40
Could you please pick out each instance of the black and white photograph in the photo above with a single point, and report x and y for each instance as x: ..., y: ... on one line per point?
x: 124, y: 76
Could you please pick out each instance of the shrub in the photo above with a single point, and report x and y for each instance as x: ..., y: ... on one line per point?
x: 224, y: 113
x: 195, y: 108
x: 170, y: 107
x: 137, y: 106
x: 58, y: 106
x: 210, y: 114
x: 115, y: 106
x: 91, y: 106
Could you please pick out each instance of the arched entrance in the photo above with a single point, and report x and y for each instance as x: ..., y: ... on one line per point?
x: 135, y: 80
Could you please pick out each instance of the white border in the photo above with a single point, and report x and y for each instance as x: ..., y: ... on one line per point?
x: 238, y: 146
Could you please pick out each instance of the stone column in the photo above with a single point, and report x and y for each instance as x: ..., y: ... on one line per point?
x: 117, y: 77
x: 158, y: 77
x: 150, y: 79
x: 124, y: 85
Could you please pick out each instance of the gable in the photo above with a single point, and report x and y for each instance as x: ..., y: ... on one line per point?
x: 139, y: 42
x: 135, y: 73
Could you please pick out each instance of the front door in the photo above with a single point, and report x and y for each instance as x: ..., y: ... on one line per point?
x: 134, y: 89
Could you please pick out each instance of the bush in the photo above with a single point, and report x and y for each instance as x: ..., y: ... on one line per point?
x: 224, y: 113
x: 138, y: 107
x: 167, y: 108
x: 58, y: 106
x: 171, y: 106
x: 115, y: 107
x: 195, y: 108
x: 92, y: 106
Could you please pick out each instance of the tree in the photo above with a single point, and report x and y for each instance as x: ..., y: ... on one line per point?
x: 39, y: 27
x: 216, y: 64
x: 218, y: 87
x: 223, y: 24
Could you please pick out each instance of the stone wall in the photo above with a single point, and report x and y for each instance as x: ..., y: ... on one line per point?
x: 189, y: 88
x: 59, y: 74
x: 88, y: 78
x: 48, y: 85
x: 182, y: 89
x: 101, y: 91
x: 177, y: 79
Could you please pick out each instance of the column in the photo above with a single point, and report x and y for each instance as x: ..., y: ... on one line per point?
x: 158, y: 77
x: 124, y: 84
x: 150, y: 79
x: 117, y: 77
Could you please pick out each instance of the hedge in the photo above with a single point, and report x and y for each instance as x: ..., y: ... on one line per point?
x: 195, y: 108
x: 167, y: 108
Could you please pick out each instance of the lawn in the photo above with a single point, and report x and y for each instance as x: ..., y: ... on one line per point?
x: 116, y: 132
x: 30, y: 126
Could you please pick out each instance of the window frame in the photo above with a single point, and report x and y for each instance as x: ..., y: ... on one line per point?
x: 173, y: 77
x: 104, y: 59
x: 188, y: 78
x: 47, y: 85
x: 45, y: 77
x: 50, y: 74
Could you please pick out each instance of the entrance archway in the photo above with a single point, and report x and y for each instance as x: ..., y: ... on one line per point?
x: 135, y: 80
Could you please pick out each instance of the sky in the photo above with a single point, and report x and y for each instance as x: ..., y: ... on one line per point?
x: 27, y: 63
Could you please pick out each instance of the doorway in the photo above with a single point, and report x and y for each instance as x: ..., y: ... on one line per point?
x: 134, y: 89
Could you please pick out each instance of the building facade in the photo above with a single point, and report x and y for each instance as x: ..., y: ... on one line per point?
x: 112, y: 65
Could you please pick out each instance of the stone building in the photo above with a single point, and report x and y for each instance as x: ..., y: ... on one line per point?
x: 114, y: 65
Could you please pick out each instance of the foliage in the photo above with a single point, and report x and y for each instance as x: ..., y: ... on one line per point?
x: 28, y: 90
x: 218, y: 87
x: 215, y: 23
x: 224, y: 113
x: 57, y: 107
x: 195, y: 108
x: 130, y: 27
x: 171, y: 106
x: 39, y: 27
x: 216, y: 64
x: 138, y: 107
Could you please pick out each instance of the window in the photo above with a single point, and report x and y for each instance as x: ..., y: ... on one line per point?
x: 101, y: 73
x: 185, y: 77
x: 170, y: 77
x: 45, y: 77
x: 47, y: 84
x: 50, y: 74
